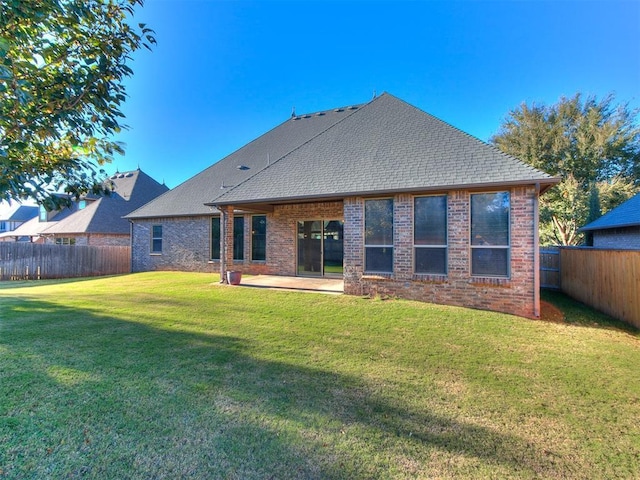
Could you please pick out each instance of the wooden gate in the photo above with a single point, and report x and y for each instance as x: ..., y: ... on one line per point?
x: 550, y: 267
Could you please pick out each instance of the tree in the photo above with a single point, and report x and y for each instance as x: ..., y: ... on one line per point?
x: 590, y: 144
x: 62, y: 68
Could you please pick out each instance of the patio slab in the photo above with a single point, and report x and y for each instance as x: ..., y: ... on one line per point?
x: 306, y: 284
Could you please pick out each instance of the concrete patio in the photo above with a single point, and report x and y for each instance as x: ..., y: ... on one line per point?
x: 304, y: 284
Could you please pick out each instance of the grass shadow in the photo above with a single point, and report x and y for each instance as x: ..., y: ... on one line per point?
x: 94, y: 395
x: 577, y: 313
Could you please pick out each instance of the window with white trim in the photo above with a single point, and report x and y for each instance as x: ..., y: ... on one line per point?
x: 490, y: 234
x: 64, y: 241
x: 430, y: 234
x: 378, y: 235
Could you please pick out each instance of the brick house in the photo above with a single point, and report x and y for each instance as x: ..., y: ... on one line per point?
x: 618, y: 228
x: 93, y: 220
x: 384, y: 195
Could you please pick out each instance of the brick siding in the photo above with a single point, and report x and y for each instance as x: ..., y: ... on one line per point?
x: 186, y: 247
x: 94, y: 239
x: 515, y: 295
x: 624, y: 237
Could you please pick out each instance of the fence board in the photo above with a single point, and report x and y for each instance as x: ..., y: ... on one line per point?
x: 550, y: 267
x: 31, y: 261
x: 607, y: 280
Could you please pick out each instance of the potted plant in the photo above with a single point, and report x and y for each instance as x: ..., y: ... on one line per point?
x: 234, y: 277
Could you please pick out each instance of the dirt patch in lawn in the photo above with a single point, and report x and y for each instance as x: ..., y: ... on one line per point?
x: 550, y: 313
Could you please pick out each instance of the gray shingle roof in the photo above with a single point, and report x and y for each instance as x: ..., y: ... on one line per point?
x: 130, y: 190
x: 384, y: 146
x: 16, y: 212
x: 189, y: 198
x: 626, y: 214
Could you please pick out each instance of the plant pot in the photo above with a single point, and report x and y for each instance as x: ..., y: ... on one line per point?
x: 233, y: 278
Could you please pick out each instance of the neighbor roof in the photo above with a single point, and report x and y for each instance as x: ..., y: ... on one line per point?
x: 16, y: 212
x: 626, y: 214
x: 34, y: 227
x: 385, y: 146
x: 102, y: 214
x: 129, y: 190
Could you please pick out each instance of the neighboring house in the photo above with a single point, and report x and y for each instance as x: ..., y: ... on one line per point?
x: 618, y: 228
x: 14, y: 214
x: 384, y: 195
x: 94, y: 220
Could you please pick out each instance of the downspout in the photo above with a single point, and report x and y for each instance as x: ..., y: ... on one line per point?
x: 536, y: 256
x: 131, y: 246
x: 223, y: 256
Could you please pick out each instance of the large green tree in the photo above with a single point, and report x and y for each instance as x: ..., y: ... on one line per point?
x: 591, y: 144
x: 62, y: 69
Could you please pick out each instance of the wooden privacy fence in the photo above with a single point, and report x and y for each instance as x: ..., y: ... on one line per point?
x: 32, y: 261
x: 607, y: 280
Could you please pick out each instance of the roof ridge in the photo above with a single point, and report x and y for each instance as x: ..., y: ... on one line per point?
x: 329, y: 110
x: 357, y: 108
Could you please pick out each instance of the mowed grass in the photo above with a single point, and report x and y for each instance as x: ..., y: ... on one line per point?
x: 171, y: 375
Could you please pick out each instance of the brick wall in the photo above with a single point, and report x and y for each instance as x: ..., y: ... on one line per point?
x: 103, y: 240
x: 185, y: 245
x: 94, y: 239
x: 515, y: 294
x: 185, y: 242
x: 625, y: 238
x: 282, y: 233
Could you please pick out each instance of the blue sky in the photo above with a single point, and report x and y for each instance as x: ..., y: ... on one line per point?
x: 224, y: 72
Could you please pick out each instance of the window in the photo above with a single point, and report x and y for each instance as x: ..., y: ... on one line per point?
x: 64, y: 241
x: 430, y: 235
x: 156, y: 239
x: 490, y: 234
x: 259, y: 237
x: 82, y: 204
x: 3, y: 226
x: 215, y: 238
x: 42, y: 213
x: 238, y: 238
x: 378, y: 235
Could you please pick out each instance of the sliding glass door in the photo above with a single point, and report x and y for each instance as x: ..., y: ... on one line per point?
x: 320, y: 248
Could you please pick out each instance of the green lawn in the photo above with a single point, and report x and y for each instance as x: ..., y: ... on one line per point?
x: 171, y: 375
